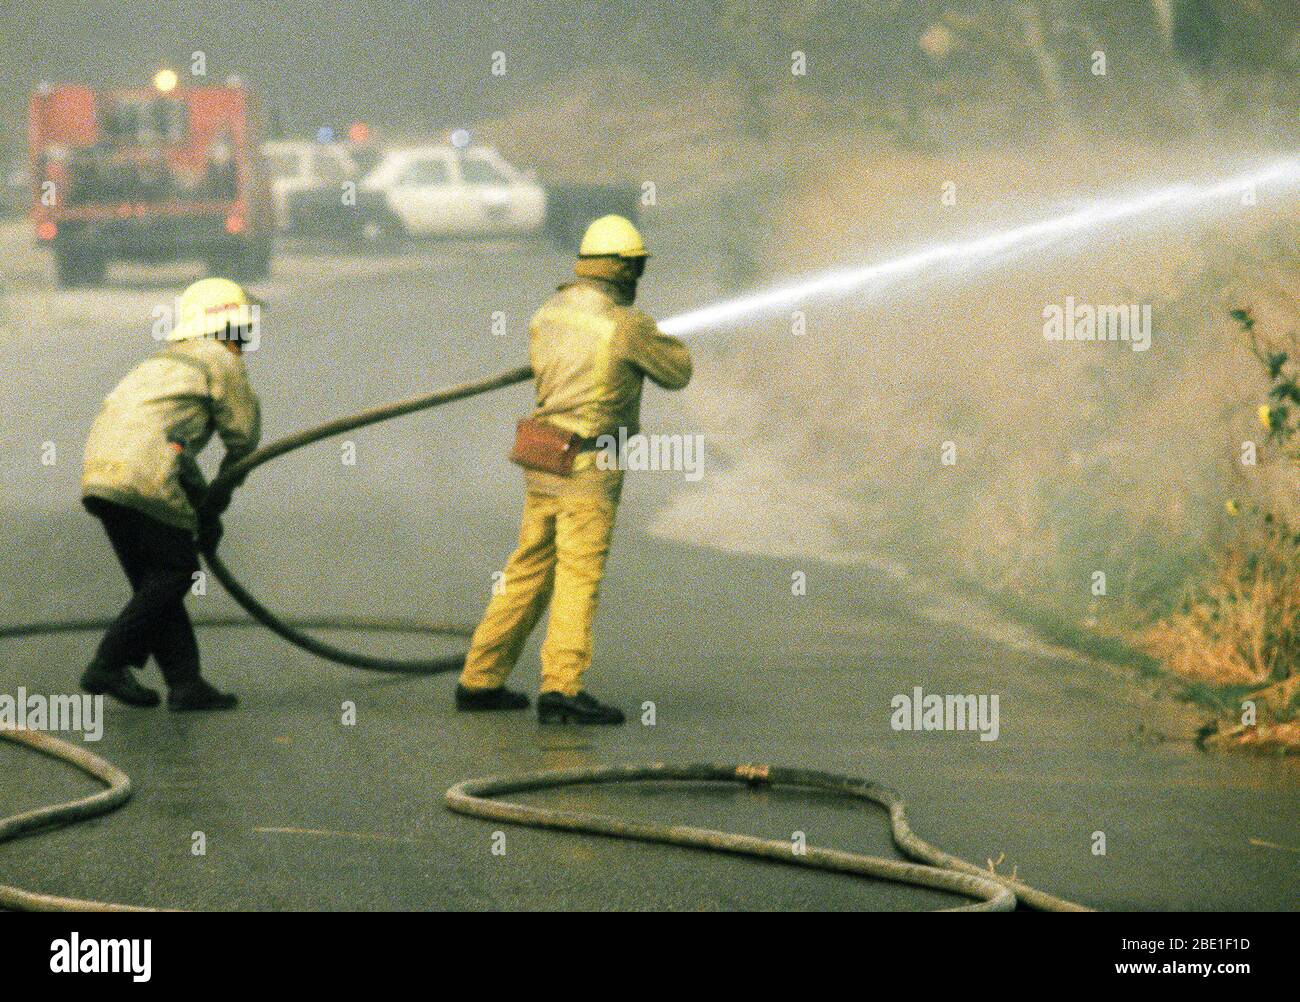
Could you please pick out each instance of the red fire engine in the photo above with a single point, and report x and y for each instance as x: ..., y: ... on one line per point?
x: 151, y: 174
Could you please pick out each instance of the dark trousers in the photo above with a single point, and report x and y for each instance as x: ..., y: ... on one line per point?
x: 160, y: 561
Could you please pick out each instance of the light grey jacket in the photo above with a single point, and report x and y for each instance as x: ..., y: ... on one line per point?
x: 181, y: 394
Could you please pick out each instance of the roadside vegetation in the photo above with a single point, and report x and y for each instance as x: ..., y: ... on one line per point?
x: 1235, y: 635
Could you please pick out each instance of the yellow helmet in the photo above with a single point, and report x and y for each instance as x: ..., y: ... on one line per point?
x: 208, y: 305
x: 612, y: 235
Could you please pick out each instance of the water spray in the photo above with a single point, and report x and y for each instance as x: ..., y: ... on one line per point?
x: 843, y: 281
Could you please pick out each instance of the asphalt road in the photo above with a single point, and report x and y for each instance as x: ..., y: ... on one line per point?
x: 300, y: 811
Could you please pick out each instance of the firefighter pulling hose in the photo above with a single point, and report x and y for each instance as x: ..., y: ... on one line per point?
x: 140, y: 478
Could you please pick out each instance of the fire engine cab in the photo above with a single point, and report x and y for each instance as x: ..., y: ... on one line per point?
x: 150, y: 174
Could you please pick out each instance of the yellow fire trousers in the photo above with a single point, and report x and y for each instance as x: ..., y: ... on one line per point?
x: 563, y: 542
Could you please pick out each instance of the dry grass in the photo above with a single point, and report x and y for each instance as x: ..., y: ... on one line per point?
x: 1242, y: 627
x: 1236, y: 637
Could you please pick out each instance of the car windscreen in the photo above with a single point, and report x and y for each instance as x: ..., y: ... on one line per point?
x: 285, y: 163
x: 427, y: 170
x: 476, y: 171
x: 330, y: 168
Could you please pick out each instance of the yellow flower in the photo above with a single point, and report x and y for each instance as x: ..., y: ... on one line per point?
x: 1230, y: 506
x: 1265, y: 416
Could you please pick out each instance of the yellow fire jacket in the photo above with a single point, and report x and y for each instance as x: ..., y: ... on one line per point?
x: 590, y: 354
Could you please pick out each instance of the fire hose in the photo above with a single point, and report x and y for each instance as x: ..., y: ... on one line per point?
x: 932, y: 868
x: 238, y: 471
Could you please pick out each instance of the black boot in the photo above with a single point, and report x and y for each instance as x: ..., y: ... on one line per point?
x: 557, y: 708
x: 118, y: 683
x: 199, y: 695
x: 500, y: 698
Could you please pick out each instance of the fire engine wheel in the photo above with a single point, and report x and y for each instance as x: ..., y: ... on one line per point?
x: 78, y: 267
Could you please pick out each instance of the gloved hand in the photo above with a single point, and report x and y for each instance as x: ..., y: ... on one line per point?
x: 210, y: 533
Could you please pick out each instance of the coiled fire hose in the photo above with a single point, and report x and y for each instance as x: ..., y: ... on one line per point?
x: 118, y: 792
x: 941, y: 872
x: 934, y: 868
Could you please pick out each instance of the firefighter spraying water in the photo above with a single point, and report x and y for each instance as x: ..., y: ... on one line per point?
x: 590, y: 351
